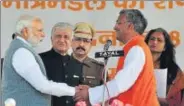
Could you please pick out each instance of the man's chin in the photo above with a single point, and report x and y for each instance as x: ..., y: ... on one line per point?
x: 117, y: 38
x: 80, y: 54
x: 35, y: 44
x: 63, y: 52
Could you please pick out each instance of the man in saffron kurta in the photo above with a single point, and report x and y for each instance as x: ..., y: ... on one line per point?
x: 134, y: 83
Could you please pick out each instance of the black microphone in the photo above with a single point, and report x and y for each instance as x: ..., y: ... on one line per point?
x: 107, y: 45
x: 107, y: 54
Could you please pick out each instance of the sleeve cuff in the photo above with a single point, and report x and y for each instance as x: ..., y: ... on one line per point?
x: 96, y: 93
x: 71, y: 91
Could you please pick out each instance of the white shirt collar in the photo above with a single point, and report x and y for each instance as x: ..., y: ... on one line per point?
x: 22, y: 39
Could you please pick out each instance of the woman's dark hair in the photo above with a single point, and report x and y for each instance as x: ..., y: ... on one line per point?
x: 167, y: 58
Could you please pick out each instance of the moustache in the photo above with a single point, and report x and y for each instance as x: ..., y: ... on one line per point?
x: 116, y: 30
x: 41, y: 39
x: 80, y: 48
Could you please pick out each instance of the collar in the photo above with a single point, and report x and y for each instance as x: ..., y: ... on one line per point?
x: 22, y: 39
x: 57, y: 55
x: 85, y: 62
x: 134, y: 38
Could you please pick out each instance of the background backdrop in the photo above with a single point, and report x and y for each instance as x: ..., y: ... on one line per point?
x: 101, y: 14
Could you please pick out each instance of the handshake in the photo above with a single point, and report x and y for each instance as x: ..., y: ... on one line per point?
x: 82, y: 96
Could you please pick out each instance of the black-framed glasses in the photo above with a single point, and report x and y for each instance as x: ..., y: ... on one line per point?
x: 85, y: 40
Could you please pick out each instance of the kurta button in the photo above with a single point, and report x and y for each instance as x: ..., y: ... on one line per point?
x: 67, y: 101
x: 66, y: 76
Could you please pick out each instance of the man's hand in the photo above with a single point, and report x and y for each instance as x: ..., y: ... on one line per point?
x: 82, y: 94
x: 77, y: 89
x: 163, y: 102
x: 83, y: 87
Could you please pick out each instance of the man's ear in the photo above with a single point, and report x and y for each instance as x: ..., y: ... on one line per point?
x: 25, y: 32
x: 131, y: 26
x: 164, y: 49
x: 51, y: 38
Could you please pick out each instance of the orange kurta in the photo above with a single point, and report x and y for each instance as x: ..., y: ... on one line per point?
x: 143, y: 91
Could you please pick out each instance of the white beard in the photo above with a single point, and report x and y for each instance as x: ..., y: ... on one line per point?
x: 33, y: 40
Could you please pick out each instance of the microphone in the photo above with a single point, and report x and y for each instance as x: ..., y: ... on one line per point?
x: 107, y: 54
x: 107, y: 45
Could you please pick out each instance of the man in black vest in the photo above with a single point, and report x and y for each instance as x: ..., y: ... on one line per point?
x: 59, y: 65
x: 75, y: 69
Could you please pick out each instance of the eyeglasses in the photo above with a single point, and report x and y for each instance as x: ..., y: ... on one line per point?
x: 67, y: 37
x: 85, y: 40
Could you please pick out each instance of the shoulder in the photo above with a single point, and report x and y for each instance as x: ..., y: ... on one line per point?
x: 136, y: 50
x: 23, y: 55
x: 44, y: 54
x: 180, y: 74
x: 22, y: 52
x: 96, y: 62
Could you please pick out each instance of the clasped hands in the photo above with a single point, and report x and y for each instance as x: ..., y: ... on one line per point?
x: 82, y: 93
x: 82, y: 96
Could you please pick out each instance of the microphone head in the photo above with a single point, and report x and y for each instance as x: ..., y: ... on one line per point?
x: 108, y: 44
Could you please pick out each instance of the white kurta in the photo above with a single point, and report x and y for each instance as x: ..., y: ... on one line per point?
x: 124, y: 79
x: 26, y: 66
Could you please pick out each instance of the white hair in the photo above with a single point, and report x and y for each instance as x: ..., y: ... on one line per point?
x: 62, y: 25
x: 25, y: 21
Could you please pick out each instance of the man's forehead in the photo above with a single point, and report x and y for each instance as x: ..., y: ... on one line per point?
x: 121, y: 18
x: 37, y: 24
x: 82, y: 38
x: 58, y: 30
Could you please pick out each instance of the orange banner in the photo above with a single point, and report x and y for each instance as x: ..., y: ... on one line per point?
x: 90, y: 5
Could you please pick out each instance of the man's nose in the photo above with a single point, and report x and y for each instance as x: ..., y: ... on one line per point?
x: 62, y: 39
x: 115, y: 27
x: 43, y: 34
x: 81, y: 43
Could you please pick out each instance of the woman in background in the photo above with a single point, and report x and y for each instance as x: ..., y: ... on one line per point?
x: 163, y: 53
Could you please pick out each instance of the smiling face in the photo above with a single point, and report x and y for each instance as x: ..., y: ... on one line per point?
x: 121, y: 28
x: 61, y: 40
x: 34, y: 34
